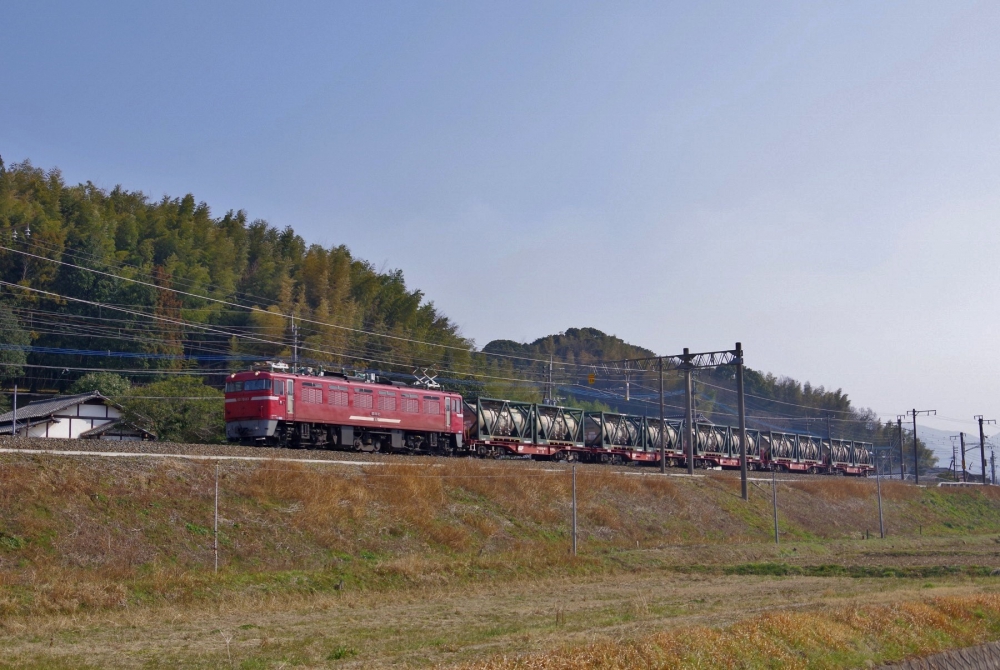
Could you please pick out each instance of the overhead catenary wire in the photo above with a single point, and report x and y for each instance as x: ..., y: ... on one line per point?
x: 779, y: 402
x: 733, y: 412
x: 212, y: 329
x: 564, y: 364
x: 255, y: 308
x: 217, y: 330
x: 242, y: 308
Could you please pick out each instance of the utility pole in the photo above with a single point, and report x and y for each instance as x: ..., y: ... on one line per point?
x: 627, y: 397
x: 13, y: 430
x: 961, y: 441
x: 916, y: 464
x: 689, y: 419
x: 954, y: 457
x: 552, y: 395
x: 902, y: 456
x: 295, y: 347
x: 741, y: 402
x: 829, y: 439
x: 663, y: 426
x: 993, y: 467
x: 982, y: 442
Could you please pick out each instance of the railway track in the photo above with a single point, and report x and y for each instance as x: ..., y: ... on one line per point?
x: 229, y: 452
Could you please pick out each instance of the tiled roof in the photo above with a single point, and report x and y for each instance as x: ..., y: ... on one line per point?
x: 97, y: 431
x: 43, y: 408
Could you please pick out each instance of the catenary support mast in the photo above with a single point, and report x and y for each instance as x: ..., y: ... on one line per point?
x: 916, y: 462
x: 982, y: 442
x: 741, y: 400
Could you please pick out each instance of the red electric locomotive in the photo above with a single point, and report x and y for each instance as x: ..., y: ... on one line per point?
x: 273, y: 406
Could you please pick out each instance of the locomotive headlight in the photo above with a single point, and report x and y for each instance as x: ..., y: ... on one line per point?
x: 256, y: 374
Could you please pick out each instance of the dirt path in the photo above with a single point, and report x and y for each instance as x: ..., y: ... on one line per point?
x: 430, y: 627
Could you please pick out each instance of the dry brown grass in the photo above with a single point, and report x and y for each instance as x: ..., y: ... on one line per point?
x: 833, y: 489
x: 842, y: 637
x: 75, y: 533
x: 900, y: 492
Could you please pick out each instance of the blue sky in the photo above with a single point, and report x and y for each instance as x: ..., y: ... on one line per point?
x: 817, y: 180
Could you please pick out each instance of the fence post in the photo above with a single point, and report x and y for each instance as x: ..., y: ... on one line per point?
x: 216, y: 531
x: 774, y: 501
x: 574, y: 509
x: 878, y: 487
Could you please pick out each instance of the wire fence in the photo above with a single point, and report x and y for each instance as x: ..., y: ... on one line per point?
x: 386, y: 476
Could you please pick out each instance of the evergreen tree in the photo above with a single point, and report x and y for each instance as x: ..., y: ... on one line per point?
x: 14, y: 341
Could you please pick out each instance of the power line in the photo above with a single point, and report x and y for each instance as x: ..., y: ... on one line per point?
x: 780, y: 402
x: 215, y: 330
x: 254, y: 308
x: 211, y: 329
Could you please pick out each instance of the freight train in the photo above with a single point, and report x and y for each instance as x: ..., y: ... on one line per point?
x: 271, y: 405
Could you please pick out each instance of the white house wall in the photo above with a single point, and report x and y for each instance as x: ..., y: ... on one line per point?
x: 72, y: 422
x: 101, y: 411
x: 55, y: 429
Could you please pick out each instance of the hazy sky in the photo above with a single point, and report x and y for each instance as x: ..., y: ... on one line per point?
x: 817, y: 180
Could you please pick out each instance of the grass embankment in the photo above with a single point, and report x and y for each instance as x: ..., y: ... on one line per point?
x: 443, y: 561
x: 91, y: 533
x: 846, y: 637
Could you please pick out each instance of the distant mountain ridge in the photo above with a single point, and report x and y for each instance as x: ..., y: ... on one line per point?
x: 575, y: 345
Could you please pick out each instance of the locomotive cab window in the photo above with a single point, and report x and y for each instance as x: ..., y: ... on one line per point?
x: 233, y: 387
x: 257, y: 385
x: 279, y: 387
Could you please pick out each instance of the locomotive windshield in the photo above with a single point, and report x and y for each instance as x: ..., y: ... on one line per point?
x: 249, y: 385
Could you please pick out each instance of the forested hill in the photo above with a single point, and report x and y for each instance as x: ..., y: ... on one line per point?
x: 177, y: 243
x: 577, y: 345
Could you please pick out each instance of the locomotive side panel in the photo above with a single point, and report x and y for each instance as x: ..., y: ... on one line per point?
x: 262, y: 405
